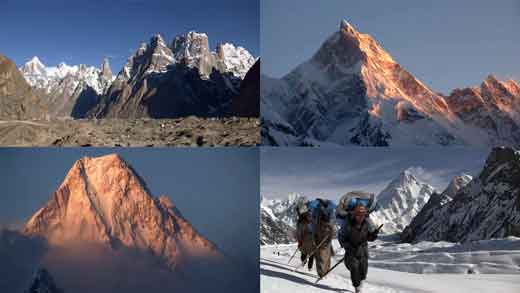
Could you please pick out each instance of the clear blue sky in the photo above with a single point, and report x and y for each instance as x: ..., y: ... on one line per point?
x: 215, y: 189
x: 81, y: 31
x: 332, y: 172
x: 444, y: 43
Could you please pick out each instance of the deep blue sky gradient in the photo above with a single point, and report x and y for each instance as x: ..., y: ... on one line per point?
x: 444, y: 43
x: 80, y: 31
x: 215, y: 189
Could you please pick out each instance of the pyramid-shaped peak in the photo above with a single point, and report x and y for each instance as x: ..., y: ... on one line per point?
x: 345, y: 25
x: 35, y: 60
x: 33, y: 66
x: 103, y: 201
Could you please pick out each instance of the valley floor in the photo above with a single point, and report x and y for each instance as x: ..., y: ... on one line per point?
x: 189, y: 131
x: 446, y: 268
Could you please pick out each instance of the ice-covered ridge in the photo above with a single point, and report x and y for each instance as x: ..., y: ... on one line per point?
x: 235, y: 59
x: 401, y: 201
x: 192, y: 49
x: 49, y: 78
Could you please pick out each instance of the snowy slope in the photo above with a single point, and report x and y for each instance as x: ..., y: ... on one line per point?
x: 353, y: 92
x: 277, y: 276
x: 400, y: 202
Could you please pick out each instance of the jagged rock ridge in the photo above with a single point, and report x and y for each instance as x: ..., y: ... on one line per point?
x: 486, y: 207
x: 177, y: 80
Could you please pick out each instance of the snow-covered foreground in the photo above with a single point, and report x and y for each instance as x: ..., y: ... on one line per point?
x: 444, y: 266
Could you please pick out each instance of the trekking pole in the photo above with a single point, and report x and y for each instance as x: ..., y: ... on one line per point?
x: 318, y: 247
x: 340, y: 261
x: 292, y: 256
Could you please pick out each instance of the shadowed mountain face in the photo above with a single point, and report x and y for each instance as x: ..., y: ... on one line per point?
x: 485, y: 207
x: 247, y: 103
x: 353, y: 92
x: 17, y: 100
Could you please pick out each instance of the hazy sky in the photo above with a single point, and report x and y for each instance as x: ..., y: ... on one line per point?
x: 332, y: 172
x: 81, y: 31
x: 215, y: 189
x: 444, y: 43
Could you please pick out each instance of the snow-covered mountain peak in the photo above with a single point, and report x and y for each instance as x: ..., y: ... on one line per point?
x: 33, y: 67
x: 365, y: 43
x: 407, y: 176
x: 190, y: 45
x: 401, y: 200
x: 345, y: 25
x: 235, y: 59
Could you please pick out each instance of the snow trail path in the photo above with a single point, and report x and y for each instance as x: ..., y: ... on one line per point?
x: 277, y: 276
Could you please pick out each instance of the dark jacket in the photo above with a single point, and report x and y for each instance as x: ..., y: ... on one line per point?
x: 354, y: 237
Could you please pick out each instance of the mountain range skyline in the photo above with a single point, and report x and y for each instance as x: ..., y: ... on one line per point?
x: 319, y: 173
x: 119, y: 26
x: 474, y: 38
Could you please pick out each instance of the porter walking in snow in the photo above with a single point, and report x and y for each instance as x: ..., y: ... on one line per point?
x: 323, y: 214
x: 353, y: 236
x: 304, y: 235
